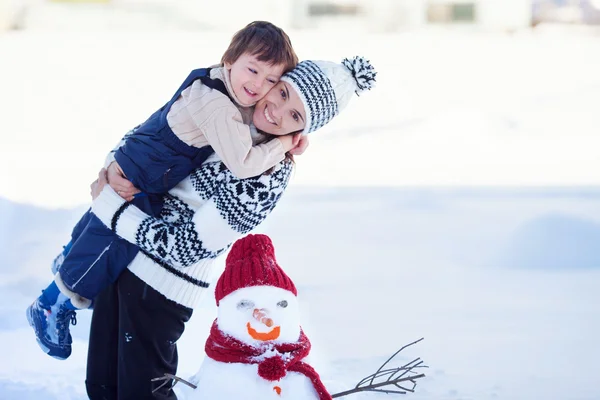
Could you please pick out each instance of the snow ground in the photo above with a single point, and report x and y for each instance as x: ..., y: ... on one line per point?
x: 474, y: 272
x: 459, y: 201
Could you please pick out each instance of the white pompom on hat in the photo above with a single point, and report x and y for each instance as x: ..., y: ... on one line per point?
x: 325, y: 87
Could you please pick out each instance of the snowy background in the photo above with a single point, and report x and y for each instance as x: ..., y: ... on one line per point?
x: 459, y: 201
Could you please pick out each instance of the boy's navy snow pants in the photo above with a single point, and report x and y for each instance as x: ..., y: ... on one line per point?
x: 97, y: 256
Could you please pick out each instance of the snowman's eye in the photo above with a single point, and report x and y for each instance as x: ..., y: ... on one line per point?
x: 245, y: 304
x: 283, y: 304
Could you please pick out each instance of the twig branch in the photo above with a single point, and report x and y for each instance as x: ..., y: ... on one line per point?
x: 169, y: 377
x: 390, y: 377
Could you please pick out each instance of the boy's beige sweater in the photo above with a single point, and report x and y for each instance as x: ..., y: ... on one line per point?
x: 204, y: 116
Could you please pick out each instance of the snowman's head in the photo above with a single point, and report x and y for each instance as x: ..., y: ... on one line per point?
x: 260, y: 314
x: 257, y: 300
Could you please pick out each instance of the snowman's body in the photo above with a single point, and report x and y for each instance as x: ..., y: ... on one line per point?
x: 224, y: 381
x: 245, y: 315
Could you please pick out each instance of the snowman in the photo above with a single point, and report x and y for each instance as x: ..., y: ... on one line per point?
x: 256, y: 348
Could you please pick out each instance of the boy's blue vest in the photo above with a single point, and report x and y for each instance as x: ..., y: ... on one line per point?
x: 154, y: 159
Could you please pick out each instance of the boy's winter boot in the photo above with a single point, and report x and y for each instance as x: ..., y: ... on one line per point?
x: 50, y: 316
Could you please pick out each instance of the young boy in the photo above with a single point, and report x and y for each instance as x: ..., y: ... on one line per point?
x: 211, y: 111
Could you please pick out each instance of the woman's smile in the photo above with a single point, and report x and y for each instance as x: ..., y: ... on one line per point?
x: 268, y: 116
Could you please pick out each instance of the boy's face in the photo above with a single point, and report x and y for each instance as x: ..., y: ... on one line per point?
x: 251, y: 79
x: 280, y: 112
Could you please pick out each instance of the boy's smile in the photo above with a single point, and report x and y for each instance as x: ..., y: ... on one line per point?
x: 251, y: 78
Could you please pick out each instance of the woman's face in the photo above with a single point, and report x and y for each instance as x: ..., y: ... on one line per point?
x: 280, y: 112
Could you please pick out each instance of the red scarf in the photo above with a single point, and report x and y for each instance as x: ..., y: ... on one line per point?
x: 224, y: 348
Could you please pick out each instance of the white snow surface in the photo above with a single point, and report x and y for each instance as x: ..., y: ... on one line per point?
x: 459, y: 201
x: 502, y: 284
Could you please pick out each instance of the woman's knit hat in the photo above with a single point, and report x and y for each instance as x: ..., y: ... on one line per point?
x: 251, y: 262
x: 325, y: 87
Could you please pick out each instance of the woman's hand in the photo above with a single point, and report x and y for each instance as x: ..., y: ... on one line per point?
x: 301, y: 146
x: 290, y: 141
x: 97, y: 186
x: 120, y: 184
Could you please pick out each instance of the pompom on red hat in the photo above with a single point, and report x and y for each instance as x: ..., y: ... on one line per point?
x: 251, y: 262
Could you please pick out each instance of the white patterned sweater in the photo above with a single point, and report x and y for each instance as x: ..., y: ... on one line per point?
x: 201, y: 217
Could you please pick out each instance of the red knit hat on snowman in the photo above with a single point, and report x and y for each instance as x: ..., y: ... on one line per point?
x: 252, y: 262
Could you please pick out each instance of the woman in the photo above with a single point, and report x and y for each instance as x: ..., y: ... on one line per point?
x: 138, y: 320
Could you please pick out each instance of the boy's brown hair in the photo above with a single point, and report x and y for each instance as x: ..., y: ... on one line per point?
x: 266, y: 42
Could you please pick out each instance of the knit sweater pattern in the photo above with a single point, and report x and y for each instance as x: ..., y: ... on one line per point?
x: 201, y: 217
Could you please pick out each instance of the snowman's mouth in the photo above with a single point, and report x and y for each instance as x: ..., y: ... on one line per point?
x: 271, y: 335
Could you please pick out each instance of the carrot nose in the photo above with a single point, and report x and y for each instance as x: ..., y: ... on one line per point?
x: 261, y: 316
